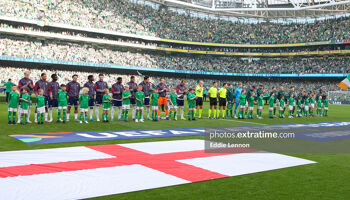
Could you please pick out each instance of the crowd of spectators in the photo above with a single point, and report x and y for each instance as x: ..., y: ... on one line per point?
x: 93, y: 54
x: 65, y: 76
x: 128, y: 17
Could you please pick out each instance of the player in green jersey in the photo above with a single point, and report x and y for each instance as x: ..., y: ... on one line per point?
x: 40, y: 106
x: 154, y: 103
x: 126, y: 95
x: 13, y: 98
x: 173, y: 104
x: 241, y: 104
x: 271, y: 104
x: 260, y: 105
x: 312, y: 104
x: 140, y: 100
x: 307, y: 106
x: 25, y: 102
x: 291, y: 105
x: 282, y: 107
x: 84, y: 105
x: 230, y: 101
x: 106, y: 105
x: 191, y: 101
x: 299, y: 106
x: 251, y: 105
x: 325, y: 107
x: 319, y: 106
x: 62, y: 104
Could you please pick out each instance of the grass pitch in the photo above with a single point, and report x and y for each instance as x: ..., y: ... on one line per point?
x: 328, y: 179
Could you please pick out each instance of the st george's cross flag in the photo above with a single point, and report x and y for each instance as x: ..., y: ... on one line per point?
x: 91, y: 171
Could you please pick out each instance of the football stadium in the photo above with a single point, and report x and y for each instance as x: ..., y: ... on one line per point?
x: 174, y: 99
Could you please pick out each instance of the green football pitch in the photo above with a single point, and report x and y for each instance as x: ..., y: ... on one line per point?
x: 328, y: 179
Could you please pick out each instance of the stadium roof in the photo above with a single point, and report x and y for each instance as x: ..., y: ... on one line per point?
x: 264, y: 8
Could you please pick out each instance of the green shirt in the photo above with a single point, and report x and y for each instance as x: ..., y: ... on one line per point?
x: 251, y: 101
x: 213, y: 92
x: 319, y: 103
x: 24, y: 104
x: 189, y: 97
x: 291, y: 101
x: 40, y: 101
x: 172, y: 98
x: 62, y: 96
x: 8, y: 86
x: 140, y: 96
x: 106, y: 102
x: 229, y: 94
x: 271, y: 101
x: 242, y: 99
x: 126, y: 101
x: 307, y: 101
x: 13, y: 99
x: 299, y: 103
x: 154, y: 98
x: 282, y: 103
x: 326, y: 103
x: 199, y: 93
x: 312, y: 100
x: 260, y: 101
x: 222, y: 93
x: 84, y: 101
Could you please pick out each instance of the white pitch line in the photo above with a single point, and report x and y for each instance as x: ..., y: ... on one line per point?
x: 243, y: 121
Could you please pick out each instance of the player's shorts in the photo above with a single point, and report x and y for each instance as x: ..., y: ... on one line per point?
x: 154, y: 107
x: 270, y: 108
x: 172, y: 107
x: 199, y: 101
x: 325, y: 108
x: 105, y: 109
x: 146, y: 101
x: 281, y: 108
x: 98, y: 100
x: 139, y: 107
x: 126, y: 107
x: 40, y: 110
x: 213, y: 101
x: 250, y: 108
x: 162, y: 101
x: 222, y: 102
x: 306, y: 108
x: 133, y: 101
x: 73, y: 101
x: 246, y: 104
x: 53, y: 103
x: 91, y: 102
x: 180, y: 102
x: 47, y: 99
x: 83, y: 110
x: 260, y: 107
x: 229, y: 106
x: 12, y: 109
x: 302, y: 105
x: 312, y: 105
x: 116, y: 103
x: 275, y: 105
x: 241, y: 106
x: 290, y: 107
x: 25, y: 111
x: 62, y: 107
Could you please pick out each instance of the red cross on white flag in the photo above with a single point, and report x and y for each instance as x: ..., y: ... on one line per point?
x: 83, y: 172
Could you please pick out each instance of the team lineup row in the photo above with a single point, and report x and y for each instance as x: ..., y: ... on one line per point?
x: 50, y: 95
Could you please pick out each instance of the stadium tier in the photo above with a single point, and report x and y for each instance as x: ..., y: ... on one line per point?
x: 130, y: 17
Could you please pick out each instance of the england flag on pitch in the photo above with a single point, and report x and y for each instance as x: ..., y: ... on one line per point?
x: 91, y: 171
